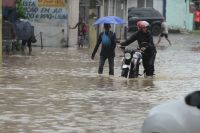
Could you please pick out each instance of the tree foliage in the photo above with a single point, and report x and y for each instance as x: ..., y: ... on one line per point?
x: 20, y: 10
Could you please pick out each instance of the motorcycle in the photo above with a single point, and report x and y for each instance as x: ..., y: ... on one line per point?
x: 130, y: 63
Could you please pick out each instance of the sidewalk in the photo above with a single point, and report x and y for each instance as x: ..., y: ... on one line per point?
x: 195, y: 32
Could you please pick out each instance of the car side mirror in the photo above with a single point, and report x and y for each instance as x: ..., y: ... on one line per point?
x: 193, y: 99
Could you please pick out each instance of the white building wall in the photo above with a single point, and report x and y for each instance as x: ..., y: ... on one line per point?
x: 131, y: 3
x: 158, y: 5
x: 73, y: 19
x: 49, y: 19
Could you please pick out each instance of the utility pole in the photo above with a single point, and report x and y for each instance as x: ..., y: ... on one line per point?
x: 1, y: 31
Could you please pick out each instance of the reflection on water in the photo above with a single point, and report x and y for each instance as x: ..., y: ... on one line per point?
x: 59, y: 90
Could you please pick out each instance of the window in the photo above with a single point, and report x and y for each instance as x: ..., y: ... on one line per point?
x: 140, y: 3
x: 145, y: 3
x: 106, y: 8
x: 92, y: 3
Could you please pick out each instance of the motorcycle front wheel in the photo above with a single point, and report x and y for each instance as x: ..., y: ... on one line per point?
x: 124, y: 72
x: 134, y: 72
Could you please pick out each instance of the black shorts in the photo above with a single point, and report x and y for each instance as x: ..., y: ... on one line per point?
x: 28, y: 42
x: 164, y: 34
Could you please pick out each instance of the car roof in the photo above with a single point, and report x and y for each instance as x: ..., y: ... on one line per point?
x: 141, y: 9
x: 143, y: 12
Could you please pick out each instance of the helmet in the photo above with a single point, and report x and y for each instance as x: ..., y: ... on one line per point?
x: 145, y: 23
x: 139, y: 25
x: 142, y: 24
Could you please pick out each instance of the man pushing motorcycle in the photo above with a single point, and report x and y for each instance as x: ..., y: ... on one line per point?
x: 146, y: 46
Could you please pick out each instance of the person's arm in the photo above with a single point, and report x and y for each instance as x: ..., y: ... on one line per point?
x: 149, y: 43
x: 112, y: 36
x: 115, y: 40
x: 130, y: 40
x: 150, y: 38
x: 96, y: 47
x: 75, y: 26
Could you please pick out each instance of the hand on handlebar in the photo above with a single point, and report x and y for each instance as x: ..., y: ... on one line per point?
x: 118, y: 41
x: 120, y: 46
x: 142, y: 49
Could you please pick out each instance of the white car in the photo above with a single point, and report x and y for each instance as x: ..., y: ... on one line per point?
x: 182, y: 116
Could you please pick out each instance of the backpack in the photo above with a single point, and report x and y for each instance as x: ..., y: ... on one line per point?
x: 105, y: 39
x: 84, y: 28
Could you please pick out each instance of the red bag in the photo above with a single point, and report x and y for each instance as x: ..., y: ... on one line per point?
x: 84, y: 29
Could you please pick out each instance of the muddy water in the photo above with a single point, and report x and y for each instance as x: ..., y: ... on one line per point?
x: 59, y: 91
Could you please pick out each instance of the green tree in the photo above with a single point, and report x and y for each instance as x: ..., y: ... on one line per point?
x: 20, y: 9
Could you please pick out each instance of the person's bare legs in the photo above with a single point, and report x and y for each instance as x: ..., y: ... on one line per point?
x: 159, y: 39
x: 29, y: 47
x: 168, y: 41
x: 30, y: 50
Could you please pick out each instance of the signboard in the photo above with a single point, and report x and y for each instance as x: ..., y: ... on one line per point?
x: 51, y: 3
x: 41, y: 10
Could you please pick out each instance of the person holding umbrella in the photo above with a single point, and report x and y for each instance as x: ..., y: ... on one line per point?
x: 108, y: 40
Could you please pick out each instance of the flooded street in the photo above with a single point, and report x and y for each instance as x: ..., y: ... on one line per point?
x: 58, y: 90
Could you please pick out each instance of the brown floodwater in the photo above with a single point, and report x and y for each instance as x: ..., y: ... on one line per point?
x: 58, y: 90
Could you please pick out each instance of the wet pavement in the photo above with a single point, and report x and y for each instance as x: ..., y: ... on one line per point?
x: 58, y: 90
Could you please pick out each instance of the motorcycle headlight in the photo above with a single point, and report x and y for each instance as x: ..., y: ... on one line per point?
x: 135, y: 56
x: 127, y: 56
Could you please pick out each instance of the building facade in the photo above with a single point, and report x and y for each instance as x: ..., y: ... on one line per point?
x: 90, y: 11
x: 178, y: 14
x: 50, y: 20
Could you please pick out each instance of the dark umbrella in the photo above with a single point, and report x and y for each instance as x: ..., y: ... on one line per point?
x: 24, y: 29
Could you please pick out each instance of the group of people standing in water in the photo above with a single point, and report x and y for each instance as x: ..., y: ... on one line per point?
x: 142, y: 34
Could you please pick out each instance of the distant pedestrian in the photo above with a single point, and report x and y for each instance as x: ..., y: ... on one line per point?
x: 82, y: 30
x: 108, y: 40
x: 29, y: 44
x: 28, y: 38
x: 8, y: 35
x: 164, y: 33
x: 197, y: 19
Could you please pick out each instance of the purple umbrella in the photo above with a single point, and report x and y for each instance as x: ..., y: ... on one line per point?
x: 109, y: 20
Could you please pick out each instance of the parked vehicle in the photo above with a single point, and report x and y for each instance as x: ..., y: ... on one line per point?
x: 152, y: 16
x: 131, y: 62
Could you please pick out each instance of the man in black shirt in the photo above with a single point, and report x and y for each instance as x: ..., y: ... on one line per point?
x: 108, y: 40
x: 146, y: 45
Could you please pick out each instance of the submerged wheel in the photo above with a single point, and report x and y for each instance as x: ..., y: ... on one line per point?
x: 124, y: 72
x: 156, y: 30
x: 134, y: 73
